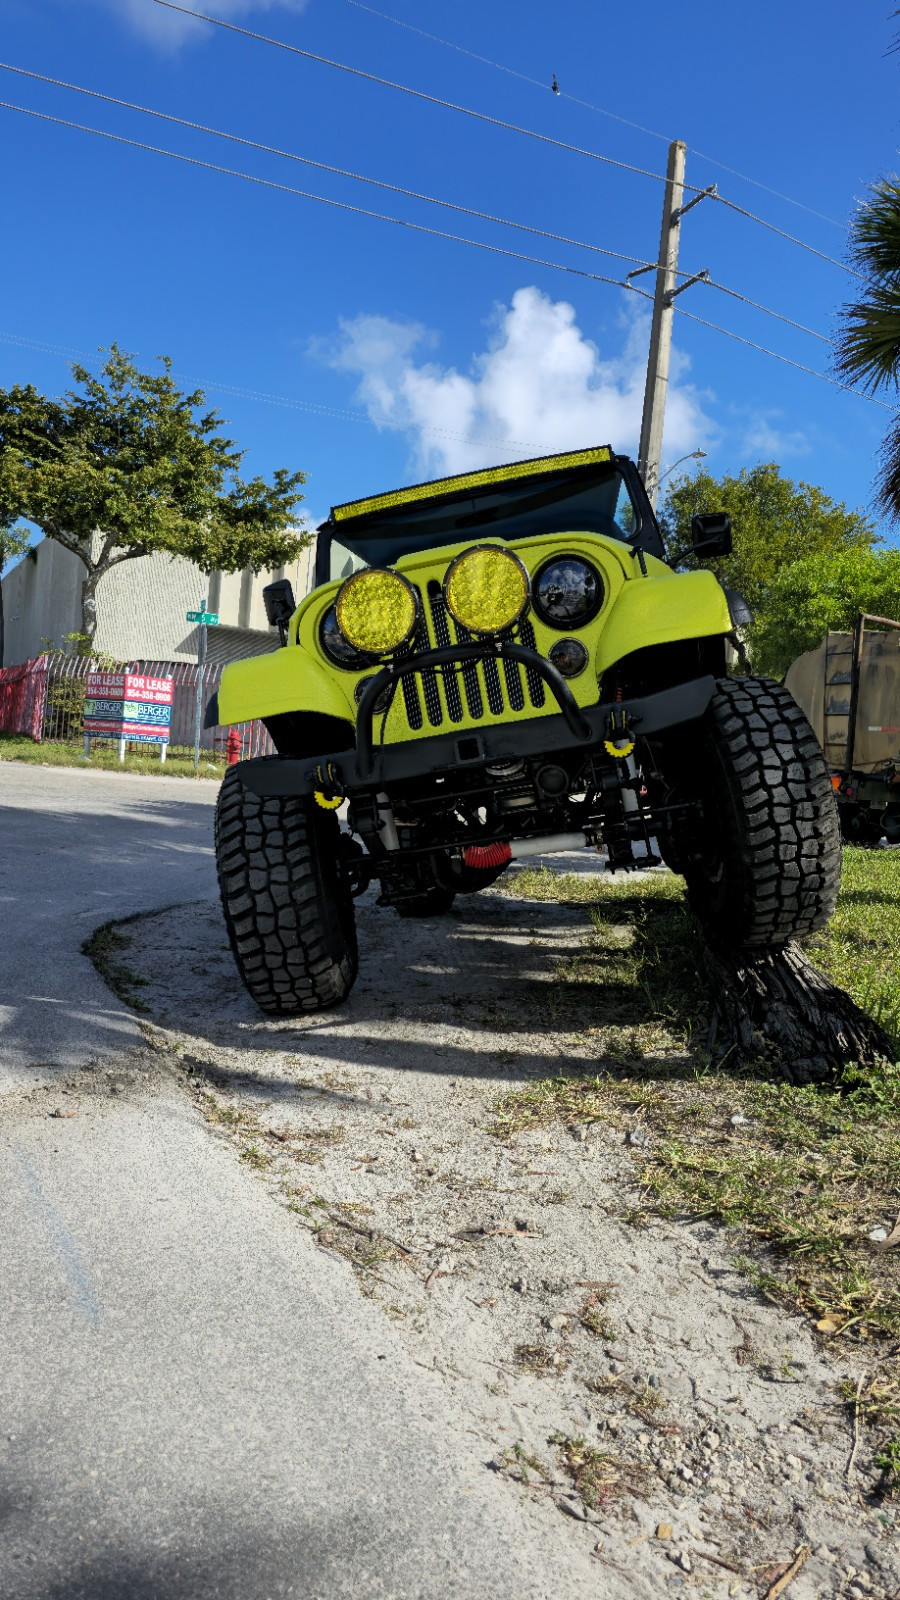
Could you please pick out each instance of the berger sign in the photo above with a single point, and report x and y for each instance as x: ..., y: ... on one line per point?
x: 128, y: 705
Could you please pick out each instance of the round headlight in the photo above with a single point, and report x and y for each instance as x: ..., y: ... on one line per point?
x: 568, y: 656
x: 376, y: 610
x: 568, y: 592
x: 338, y: 649
x: 486, y: 589
x: 383, y: 701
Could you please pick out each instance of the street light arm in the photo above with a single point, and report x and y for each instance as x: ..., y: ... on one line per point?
x: 692, y: 455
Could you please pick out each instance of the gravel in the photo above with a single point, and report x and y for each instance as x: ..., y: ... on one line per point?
x: 661, y: 1440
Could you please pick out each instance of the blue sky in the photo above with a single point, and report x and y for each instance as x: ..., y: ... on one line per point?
x: 369, y: 354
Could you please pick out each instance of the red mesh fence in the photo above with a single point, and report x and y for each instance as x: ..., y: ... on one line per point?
x: 44, y: 699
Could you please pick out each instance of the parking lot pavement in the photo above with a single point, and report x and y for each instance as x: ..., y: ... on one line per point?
x: 78, y: 849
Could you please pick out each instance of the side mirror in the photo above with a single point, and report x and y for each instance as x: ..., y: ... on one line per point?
x: 711, y: 534
x: 278, y: 599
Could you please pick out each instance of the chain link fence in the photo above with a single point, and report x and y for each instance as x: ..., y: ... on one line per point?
x: 44, y: 699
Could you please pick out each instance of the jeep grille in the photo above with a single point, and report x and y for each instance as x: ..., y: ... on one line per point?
x: 500, y: 685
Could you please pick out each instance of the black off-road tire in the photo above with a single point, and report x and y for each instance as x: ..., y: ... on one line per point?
x: 286, y: 899
x: 764, y: 865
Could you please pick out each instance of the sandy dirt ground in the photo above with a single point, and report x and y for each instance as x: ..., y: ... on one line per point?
x: 614, y: 1367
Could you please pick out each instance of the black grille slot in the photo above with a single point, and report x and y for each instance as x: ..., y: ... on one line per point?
x: 492, y: 684
x: 534, y: 680
x: 410, y: 688
x: 514, y: 685
x: 441, y: 628
x: 433, y: 707
x: 474, y: 702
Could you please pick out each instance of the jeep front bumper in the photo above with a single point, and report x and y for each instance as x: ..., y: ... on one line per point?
x: 368, y: 767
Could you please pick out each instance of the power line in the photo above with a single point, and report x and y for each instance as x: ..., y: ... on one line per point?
x: 322, y: 166
x: 778, y: 315
x: 418, y: 94
x: 305, y: 194
x: 589, y: 105
x: 393, y: 188
x: 418, y: 227
x: 777, y: 357
x: 497, y: 122
x: 733, y: 206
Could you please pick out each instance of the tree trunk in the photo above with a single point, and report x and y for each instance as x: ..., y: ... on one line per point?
x: 89, y: 605
x: 776, y: 1005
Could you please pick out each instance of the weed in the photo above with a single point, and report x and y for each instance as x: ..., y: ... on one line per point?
x: 519, y: 1464
x: 642, y: 1399
x: 593, y: 1317
x: 598, y: 1477
x: 888, y: 1463
x: 540, y: 1360
x: 254, y: 1157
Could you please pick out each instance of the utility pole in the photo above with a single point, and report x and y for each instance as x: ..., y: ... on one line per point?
x: 201, y: 662
x: 654, y: 413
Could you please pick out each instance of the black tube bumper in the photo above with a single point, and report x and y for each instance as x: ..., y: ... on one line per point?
x: 441, y: 753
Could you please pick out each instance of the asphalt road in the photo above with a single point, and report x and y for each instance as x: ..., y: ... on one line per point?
x: 78, y: 849
x: 195, y: 1401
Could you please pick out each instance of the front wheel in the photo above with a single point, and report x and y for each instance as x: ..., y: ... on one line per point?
x: 286, y: 899
x: 763, y: 862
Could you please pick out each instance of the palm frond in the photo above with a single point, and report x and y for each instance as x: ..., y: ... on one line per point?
x: 887, y: 485
x: 875, y: 231
x: 867, y: 350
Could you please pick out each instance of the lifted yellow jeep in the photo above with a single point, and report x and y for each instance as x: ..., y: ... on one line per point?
x: 499, y: 665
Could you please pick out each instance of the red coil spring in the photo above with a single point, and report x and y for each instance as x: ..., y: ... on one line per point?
x: 487, y: 855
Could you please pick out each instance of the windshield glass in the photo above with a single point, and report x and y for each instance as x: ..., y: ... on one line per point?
x: 602, y: 504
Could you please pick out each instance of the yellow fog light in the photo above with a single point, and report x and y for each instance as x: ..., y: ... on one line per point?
x: 376, y: 610
x: 486, y: 589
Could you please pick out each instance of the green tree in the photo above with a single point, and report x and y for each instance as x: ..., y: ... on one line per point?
x: 868, y: 345
x: 127, y: 464
x: 811, y: 596
x: 776, y: 522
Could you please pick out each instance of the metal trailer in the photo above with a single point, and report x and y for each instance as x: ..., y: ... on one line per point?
x: 849, y: 688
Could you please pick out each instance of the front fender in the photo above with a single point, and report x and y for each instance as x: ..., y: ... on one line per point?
x: 286, y: 680
x: 660, y: 610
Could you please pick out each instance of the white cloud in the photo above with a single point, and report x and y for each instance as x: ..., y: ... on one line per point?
x: 765, y: 440
x: 169, y: 29
x: 541, y: 384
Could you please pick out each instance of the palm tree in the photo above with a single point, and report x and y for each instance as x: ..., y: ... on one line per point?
x: 868, y: 345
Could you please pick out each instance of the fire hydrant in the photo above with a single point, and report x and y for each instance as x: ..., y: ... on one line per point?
x: 233, y: 746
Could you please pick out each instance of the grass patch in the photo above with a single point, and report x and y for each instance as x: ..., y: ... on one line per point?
x: 104, y: 757
x: 860, y: 950
x: 806, y: 1172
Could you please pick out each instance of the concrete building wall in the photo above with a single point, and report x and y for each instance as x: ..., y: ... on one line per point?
x: 141, y: 606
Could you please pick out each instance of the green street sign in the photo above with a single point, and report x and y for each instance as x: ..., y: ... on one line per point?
x: 209, y: 619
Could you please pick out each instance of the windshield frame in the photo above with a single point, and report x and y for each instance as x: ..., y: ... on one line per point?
x: 645, y: 537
